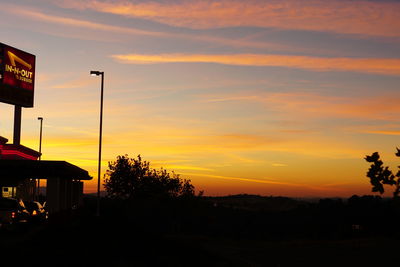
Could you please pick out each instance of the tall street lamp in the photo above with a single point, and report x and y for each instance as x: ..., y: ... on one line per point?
x: 40, y: 151
x: 40, y: 138
x: 98, y: 73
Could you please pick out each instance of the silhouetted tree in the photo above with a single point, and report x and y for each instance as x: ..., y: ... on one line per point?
x: 128, y: 178
x: 380, y: 175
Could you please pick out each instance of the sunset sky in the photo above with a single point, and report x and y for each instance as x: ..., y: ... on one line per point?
x: 259, y: 97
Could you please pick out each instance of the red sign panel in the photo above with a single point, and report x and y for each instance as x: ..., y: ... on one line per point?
x: 17, y: 77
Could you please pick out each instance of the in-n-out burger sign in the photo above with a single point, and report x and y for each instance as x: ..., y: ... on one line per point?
x: 17, y: 76
x: 24, y: 74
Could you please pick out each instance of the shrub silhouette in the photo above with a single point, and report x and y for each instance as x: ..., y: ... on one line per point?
x: 128, y: 178
x: 380, y: 175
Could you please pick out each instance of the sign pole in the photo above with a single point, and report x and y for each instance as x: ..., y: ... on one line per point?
x: 17, y: 125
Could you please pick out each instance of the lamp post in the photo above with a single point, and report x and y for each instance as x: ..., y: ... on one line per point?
x: 99, y: 73
x: 40, y: 151
x: 40, y: 138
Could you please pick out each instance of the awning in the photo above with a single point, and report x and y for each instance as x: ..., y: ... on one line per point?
x: 43, y: 169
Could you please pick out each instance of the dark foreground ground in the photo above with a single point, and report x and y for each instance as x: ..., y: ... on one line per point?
x: 211, y: 232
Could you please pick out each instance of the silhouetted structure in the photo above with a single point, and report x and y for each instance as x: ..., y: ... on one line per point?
x: 19, y: 167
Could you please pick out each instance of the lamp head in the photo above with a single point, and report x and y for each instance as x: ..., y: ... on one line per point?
x: 95, y: 73
x: 40, y: 118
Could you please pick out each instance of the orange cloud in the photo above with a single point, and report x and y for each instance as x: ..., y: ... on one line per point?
x: 365, y: 65
x: 384, y: 132
x: 229, y: 149
x: 124, y: 32
x: 303, y: 186
x: 36, y: 15
x: 77, y: 83
x: 383, y: 107
x: 350, y: 17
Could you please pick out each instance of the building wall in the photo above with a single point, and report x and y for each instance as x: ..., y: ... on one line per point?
x: 63, y: 194
x: 21, y: 189
x: 26, y: 190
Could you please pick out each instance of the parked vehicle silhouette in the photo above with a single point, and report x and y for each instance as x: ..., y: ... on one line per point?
x: 12, y: 211
x: 37, y: 211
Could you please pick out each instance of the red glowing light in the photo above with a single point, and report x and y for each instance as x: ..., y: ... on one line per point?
x: 18, y: 153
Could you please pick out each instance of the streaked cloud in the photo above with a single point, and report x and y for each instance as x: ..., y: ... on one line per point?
x: 312, y: 105
x: 244, y: 179
x: 279, y: 165
x: 76, y: 83
x: 41, y: 16
x: 384, y: 132
x: 186, y: 167
x: 387, y: 66
x: 124, y: 32
x: 363, y: 17
x: 183, y: 141
x: 267, y: 181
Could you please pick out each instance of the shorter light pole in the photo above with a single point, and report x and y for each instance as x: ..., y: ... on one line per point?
x: 99, y: 73
x: 40, y: 151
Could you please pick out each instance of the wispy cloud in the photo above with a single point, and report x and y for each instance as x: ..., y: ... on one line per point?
x: 325, y: 187
x: 77, y: 83
x: 186, y: 167
x: 244, y: 179
x: 365, y: 65
x: 384, y: 132
x: 311, y: 105
x: 363, y: 17
x: 40, y: 16
x: 279, y: 165
x: 126, y: 32
x: 185, y: 141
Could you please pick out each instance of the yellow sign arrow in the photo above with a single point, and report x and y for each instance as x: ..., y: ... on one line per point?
x: 14, y: 58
